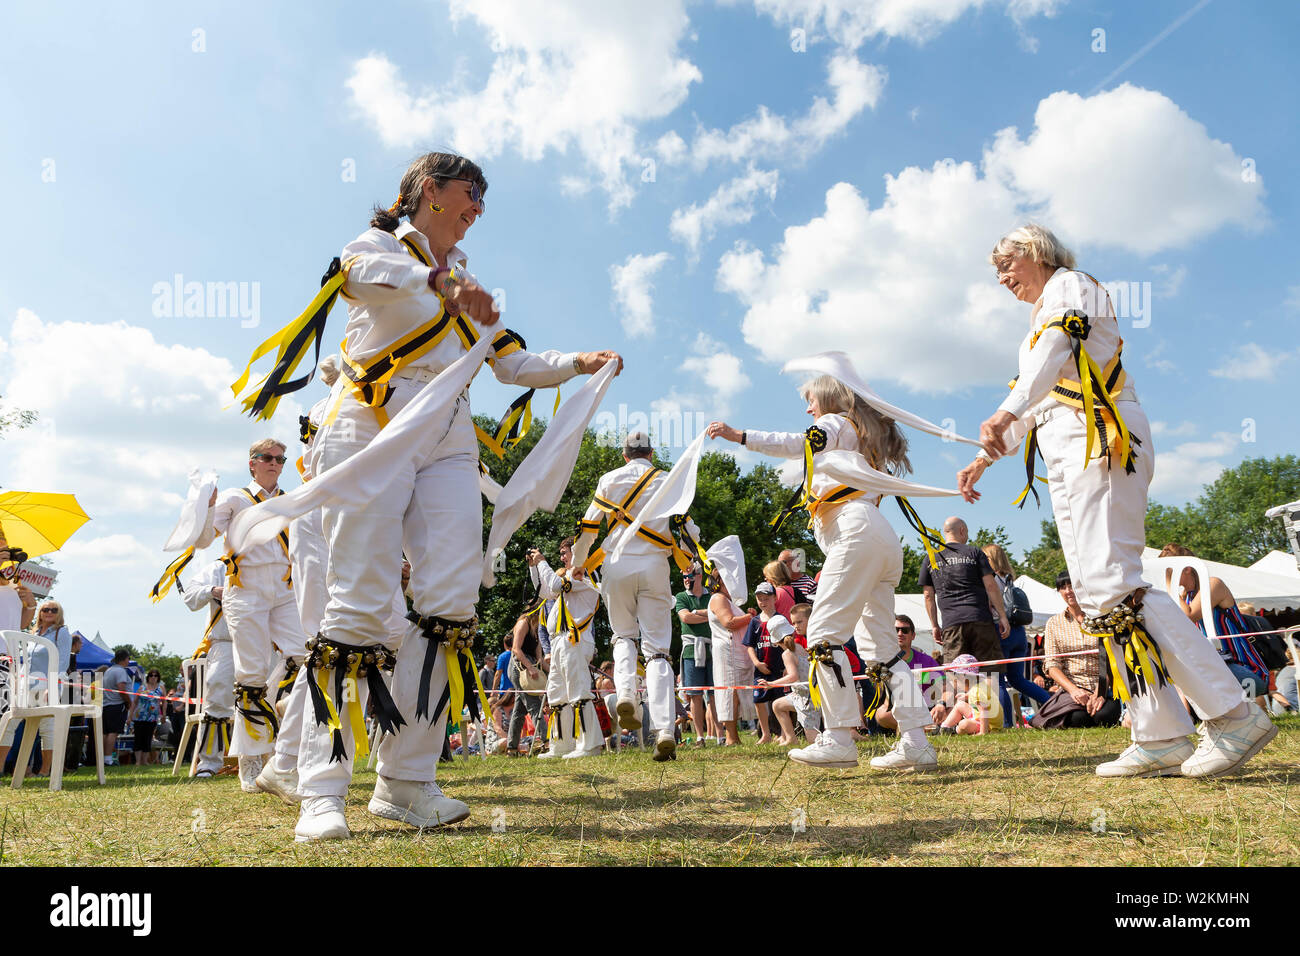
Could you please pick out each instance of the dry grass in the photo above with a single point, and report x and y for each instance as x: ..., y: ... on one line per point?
x: 1017, y: 798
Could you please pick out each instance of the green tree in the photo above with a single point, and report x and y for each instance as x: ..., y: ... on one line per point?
x: 1046, y: 559
x: 12, y: 417
x: 1232, y: 509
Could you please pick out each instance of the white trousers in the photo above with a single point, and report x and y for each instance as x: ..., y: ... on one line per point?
x: 855, y: 597
x: 218, y: 699
x: 1100, y: 514
x: 570, y: 676
x: 640, y: 603
x: 309, y: 557
x: 262, y: 617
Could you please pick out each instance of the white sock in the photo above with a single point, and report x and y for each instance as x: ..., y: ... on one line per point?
x: 842, y: 736
x: 914, y: 737
x: 1239, y: 712
x: 285, y: 763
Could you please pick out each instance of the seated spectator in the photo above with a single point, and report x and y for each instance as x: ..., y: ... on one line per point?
x: 795, y: 666
x: 1235, y: 646
x: 975, y: 709
x: 1282, y: 689
x: 1082, y: 697
x: 914, y: 659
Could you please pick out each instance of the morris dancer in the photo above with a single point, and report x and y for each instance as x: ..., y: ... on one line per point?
x: 259, y: 608
x: 203, y: 591
x: 636, y: 588
x: 864, y: 560
x: 575, y: 729
x: 1073, y: 402
x: 412, y: 312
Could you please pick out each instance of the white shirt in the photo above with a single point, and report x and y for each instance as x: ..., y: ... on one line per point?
x: 1049, y: 359
x: 615, y: 486
x: 196, y: 592
x: 388, y: 296
x: 229, y: 503
x: 581, y: 599
x: 11, y: 609
x: 840, y: 436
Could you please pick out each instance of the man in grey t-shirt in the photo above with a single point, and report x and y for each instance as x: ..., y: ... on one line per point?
x: 116, y: 704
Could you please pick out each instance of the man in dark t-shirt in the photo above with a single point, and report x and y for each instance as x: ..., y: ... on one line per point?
x: 967, y: 598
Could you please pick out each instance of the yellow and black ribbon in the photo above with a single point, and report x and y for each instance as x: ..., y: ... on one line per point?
x: 1031, y: 452
x: 171, y: 575
x: 1094, y: 395
x: 215, y: 738
x: 291, y: 666
x: 1124, y: 628
x: 931, y: 540
x: 823, y: 652
x: 290, y: 345
x: 257, y: 713
x: 814, y: 441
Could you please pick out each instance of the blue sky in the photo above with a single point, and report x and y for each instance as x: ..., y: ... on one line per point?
x: 700, y: 186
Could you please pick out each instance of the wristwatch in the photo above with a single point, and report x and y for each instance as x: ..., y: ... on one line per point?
x: 577, y: 365
x: 984, y: 456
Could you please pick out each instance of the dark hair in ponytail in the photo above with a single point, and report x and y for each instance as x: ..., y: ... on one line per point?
x: 440, y: 167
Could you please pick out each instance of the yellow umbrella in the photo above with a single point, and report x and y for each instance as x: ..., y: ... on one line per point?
x: 39, y: 522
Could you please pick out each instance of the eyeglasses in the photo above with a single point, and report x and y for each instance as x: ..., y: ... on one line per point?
x: 475, y: 193
x: 278, y: 459
x: 1003, y: 266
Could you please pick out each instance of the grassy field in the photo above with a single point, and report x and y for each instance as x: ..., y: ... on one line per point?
x: 1018, y: 797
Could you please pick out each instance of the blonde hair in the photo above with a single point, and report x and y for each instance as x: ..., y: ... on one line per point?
x: 262, y: 447
x: 998, y: 558
x: 36, y: 621
x: 777, y: 573
x: 880, y: 439
x: 1036, y: 242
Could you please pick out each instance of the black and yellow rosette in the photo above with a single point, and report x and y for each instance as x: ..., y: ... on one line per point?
x: 171, y: 575
x: 290, y: 345
x: 1123, y: 627
x: 814, y: 441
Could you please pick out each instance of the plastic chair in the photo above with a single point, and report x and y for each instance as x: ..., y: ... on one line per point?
x: 1177, y: 565
x: 196, y: 672
x: 32, y: 699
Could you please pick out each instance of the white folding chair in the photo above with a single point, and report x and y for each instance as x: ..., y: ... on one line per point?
x: 1177, y: 565
x: 196, y: 673
x: 34, y: 696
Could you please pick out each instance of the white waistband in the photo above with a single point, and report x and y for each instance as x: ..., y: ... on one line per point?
x: 419, y: 374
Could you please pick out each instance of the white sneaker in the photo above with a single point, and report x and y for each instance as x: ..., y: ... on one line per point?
x: 552, y: 752
x: 249, y: 768
x: 1144, y: 760
x: 321, y: 818
x: 1227, y: 744
x: 580, y: 752
x: 421, y: 804
x: 283, y: 785
x: 825, y: 752
x: 665, y: 747
x: 629, y: 715
x: 907, y: 756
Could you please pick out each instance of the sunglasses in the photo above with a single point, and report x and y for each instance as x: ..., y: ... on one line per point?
x: 475, y: 193
x: 278, y: 459
x: 50, y: 610
x: 903, y: 630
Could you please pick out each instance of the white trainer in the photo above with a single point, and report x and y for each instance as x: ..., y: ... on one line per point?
x: 825, y: 752
x: 1227, y: 744
x: 584, y: 752
x: 283, y: 785
x: 665, y: 747
x: 321, y: 818
x: 1145, y: 760
x: 905, y: 755
x: 421, y: 804
x: 552, y: 752
x: 629, y: 715
x: 249, y: 768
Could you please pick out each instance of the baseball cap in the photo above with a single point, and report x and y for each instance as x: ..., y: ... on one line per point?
x: 966, y: 664
x: 765, y: 588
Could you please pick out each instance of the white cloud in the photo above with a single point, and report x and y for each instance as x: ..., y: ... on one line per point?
x: 731, y: 205
x: 718, y: 370
x: 566, y: 74
x: 905, y: 289
x: 632, y: 287
x: 851, y: 23
x: 1291, y: 303
x: 125, y: 418
x: 1181, y: 473
x: 854, y: 86
x: 911, y: 277
x: 1126, y: 168
x: 111, y: 551
x: 1252, y: 362
x: 1169, y: 280
x: 1165, y: 430
x: 670, y: 147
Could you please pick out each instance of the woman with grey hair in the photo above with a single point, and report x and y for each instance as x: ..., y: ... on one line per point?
x: 1074, y: 403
